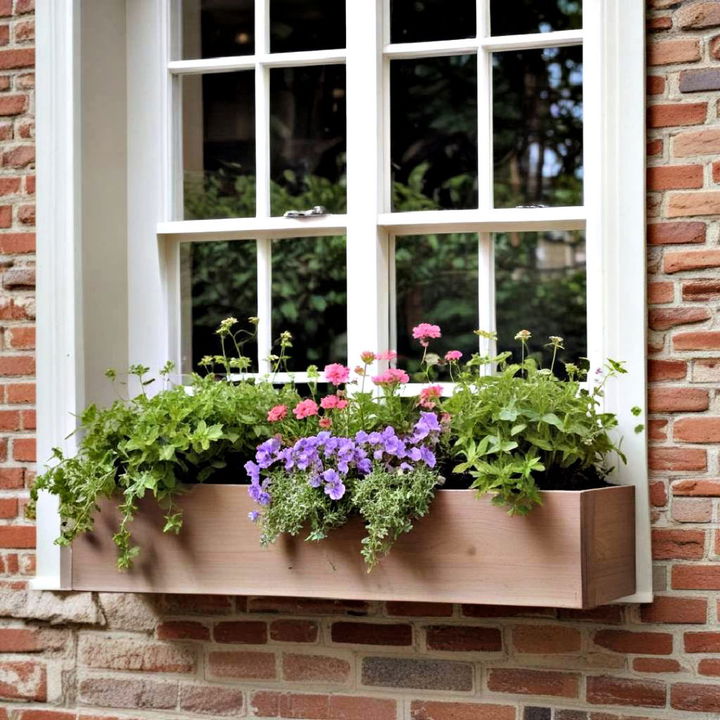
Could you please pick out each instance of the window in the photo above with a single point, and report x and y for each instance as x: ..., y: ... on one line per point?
x: 473, y: 165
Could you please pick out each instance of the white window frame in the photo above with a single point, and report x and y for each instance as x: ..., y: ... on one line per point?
x: 613, y: 217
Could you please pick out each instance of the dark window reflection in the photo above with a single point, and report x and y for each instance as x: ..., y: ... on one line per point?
x: 308, y: 138
x: 436, y: 282
x: 538, y: 126
x: 540, y: 285
x: 217, y: 28
x: 309, y: 299
x: 306, y: 25
x: 219, y: 145
x: 514, y: 17
x: 218, y: 280
x: 424, y: 20
x: 434, y: 133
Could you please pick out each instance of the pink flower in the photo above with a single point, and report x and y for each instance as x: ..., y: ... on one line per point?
x: 329, y: 402
x: 424, y: 331
x: 387, y: 355
x: 367, y: 356
x: 359, y: 370
x: 341, y: 404
x: 336, y: 373
x: 304, y: 409
x: 393, y: 376
x: 277, y: 413
x: 453, y: 355
x: 325, y: 423
x: 428, y: 396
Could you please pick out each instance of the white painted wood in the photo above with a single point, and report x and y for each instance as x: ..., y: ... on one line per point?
x: 532, y: 41
x: 262, y: 57
x: 483, y: 220
x: 264, y: 227
x: 435, y: 48
x: 59, y: 292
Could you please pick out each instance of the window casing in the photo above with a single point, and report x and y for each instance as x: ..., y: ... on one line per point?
x: 148, y: 82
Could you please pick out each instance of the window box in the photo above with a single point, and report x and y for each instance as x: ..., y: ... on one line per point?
x: 577, y: 550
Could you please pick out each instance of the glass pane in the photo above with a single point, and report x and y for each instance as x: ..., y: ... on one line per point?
x: 423, y: 20
x: 307, y: 138
x: 515, y: 17
x: 309, y: 299
x: 217, y: 28
x: 540, y: 286
x: 218, y: 280
x: 434, y: 133
x: 538, y: 126
x: 219, y: 145
x: 306, y: 25
x: 436, y: 280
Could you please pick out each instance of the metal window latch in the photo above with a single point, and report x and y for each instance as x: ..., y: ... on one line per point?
x: 317, y: 211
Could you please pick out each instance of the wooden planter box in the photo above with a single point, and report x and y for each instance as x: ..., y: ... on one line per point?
x: 577, y: 550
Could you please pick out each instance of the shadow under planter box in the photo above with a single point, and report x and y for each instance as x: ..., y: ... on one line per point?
x: 576, y: 550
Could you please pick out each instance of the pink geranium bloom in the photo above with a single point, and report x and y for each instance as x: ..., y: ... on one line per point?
x: 393, y: 376
x: 424, y: 332
x: 428, y: 396
x: 387, y: 355
x: 367, y: 356
x: 329, y: 402
x: 304, y: 409
x: 453, y: 355
x: 325, y: 423
x: 336, y: 373
x: 341, y: 404
x: 279, y: 412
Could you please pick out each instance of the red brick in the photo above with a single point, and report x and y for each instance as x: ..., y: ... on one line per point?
x: 670, y: 52
x: 19, y: 157
x: 8, y: 509
x: 13, y: 104
x: 17, y: 536
x: 635, y: 643
x: 700, y: 487
x: 130, y: 654
x: 298, y: 631
x: 677, y: 459
x: 437, y: 710
x: 242, y: 664
x: 715, y: 47
x: 491, y: 611
x: 674, y: 544
x: 6, y: 8
x: 419, y: 609
x: 702, y: 642
x: 677, y: 399
x: 701, y: 290
x: 463, y: 638
x: 698, y: 15
x: 182, y: 630
x: 17, y: 365
x: 307, y: 606
x: 12, y: 478
x: 315, y: 668
x: 21, y: 338
x: 698, y: 340
x: 657, y: 430
x: 211, y: 700
x: 690, y: 260
x: 676, y: 233
x: 9, y: 420
x: 533, y: 682
x: 656, y: 665
x: 9, y: 185
x: 658, y: 494
x: 675, y: 177
x: 20, y: 393
x: 371, y: 633
x: 696, y: 577
x: 694, y: 203
x: 666, y: 370
x: 654, y: 147
x: 655, y: 86
x: 11, y: 59
x: 31, y: 640
x: 24, y: 449
x: 660, y: 292
x: 11, y: 243
x: 24, y: 6
x: 45, y: 714
x: 244, y: 631
x: 703, y: 429
x: 663, y: 22
x: 697, y: 142
x: 716, y: 171
x: 322, y: 707
x: 24, y: 680
x: 666, y: 318
x: 604, y: 690
x: 709, y: 666
x: 546, y: 639
x: 695, y: 697
x: 692, y: 510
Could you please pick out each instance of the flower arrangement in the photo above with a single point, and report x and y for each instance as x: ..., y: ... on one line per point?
x: 362, y: 448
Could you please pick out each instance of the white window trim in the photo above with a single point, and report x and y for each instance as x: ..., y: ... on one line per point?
x: 614, y: 65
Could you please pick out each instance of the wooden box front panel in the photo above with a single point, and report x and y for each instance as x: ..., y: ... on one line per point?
x: 465, y: 550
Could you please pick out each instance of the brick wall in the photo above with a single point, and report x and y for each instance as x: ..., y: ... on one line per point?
x: 103, y: 656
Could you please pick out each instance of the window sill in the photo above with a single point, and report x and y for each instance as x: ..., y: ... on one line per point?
x: 577, y: 550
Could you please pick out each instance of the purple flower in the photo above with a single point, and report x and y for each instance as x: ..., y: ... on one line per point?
x: 253, y: 471
x: 335, y: 491
x: 254, y: 515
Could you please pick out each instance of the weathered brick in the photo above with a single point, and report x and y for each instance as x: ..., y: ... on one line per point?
x: 660, y: 292
x: 298, y: 631
x: 135, y: 654
x: 371, y: 633
x: 676, y: 544
x: 636, y: 643
x: 691, y: 510
x: 117, y: 692
x: 322, y: 707
x: 702, y: 642
x: 606, y: 690
x: 698, y: 15
x: 546, y: 639
x: 242, y: 664
x: 703, y: 429
x: 701, y: 290
x: 701, y: 80
x: 700, y: 487
x: 675, y: 177
x: 438, y: 710
x: 211, y: 699
x: 23, y: 680
x: 696, y: 577
x: 696, y: 142
x: 666, y: 318
x: 694, y: 203
x: 658, y: 493
x: 533, y: 682
x: 243, y: 631
x: 695, y: 697
x: 315, y: 668
x: 463, y: 638
x: 421, y: 674
x: 677, y: 458
x: 670, y: 52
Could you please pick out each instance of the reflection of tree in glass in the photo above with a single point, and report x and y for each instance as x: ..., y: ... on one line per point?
x: 514, y: 17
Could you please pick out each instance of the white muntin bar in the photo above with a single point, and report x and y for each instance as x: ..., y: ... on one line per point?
x: 437, y: 48
x: 532, y: 41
